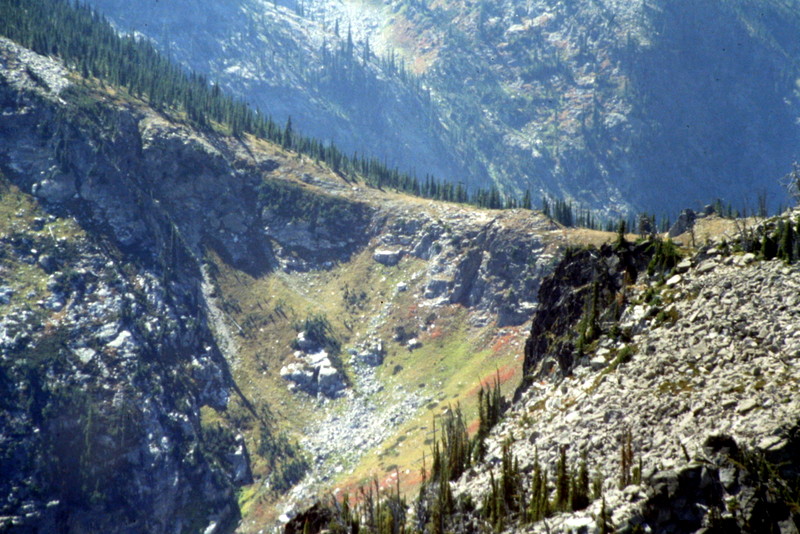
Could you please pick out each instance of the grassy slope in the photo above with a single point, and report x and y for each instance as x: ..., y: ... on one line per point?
x: 18, y: 212
x: 451, y: 362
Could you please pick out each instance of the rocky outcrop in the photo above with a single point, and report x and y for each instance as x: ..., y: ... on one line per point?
x: 700, y: 372
x: 684, y: 223
x: 313, y: 371
x: 310, y: 230
x: 745, y: 490
x: 491, y: 264
x: 585, y: 280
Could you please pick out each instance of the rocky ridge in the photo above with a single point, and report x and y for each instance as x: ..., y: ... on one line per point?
x: 700, y: 369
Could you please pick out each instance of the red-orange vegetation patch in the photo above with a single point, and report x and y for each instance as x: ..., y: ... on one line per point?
x: 472, y: 428
x: 503, y: 375
x: 503, y: 342
x: 356, y: 490
x: 435, y: 332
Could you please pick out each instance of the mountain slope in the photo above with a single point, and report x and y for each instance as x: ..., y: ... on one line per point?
x: 186, y: 312
x: 219, y: 252
x: 107, y: 355
x: 698, y: 373
x: 331, y: 85
x: 642, y: 106
x: 649, y: 405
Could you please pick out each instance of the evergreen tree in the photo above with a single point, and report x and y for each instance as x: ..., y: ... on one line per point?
x: 579, y: 492
x: 562, y: 481
x: 526, y: 200
x: 786, y: 246
x: 288, y: 134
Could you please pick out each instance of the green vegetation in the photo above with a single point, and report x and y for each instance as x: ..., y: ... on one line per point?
x: 490, y: 410
x: 589, y: 325
x: 665, y: 257
x: 779, y: 238
x: 286, y: 465
x: 320, y: 332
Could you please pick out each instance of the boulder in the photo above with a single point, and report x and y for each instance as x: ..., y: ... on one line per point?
x: 5, y: 295
x: 674, y: 280
x: 304, y: 343
x: 330, y: 382
x: 388, y: 257
x: 59, y: 189
x: 597, y: 363
x: 373, y: 353
x: 240, y: 462
x: 683, y: 266
x: 707, y: 266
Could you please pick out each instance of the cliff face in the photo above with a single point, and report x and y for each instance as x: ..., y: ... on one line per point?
x: 107, y: 355
x: 585, y: 280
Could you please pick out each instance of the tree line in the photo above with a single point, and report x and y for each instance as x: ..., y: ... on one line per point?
x: 86, y: 42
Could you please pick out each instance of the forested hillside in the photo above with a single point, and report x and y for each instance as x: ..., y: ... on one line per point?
x: 89, y: 44
x: 623, y: 107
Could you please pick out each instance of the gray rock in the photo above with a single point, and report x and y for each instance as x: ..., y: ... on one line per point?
x: 58, y: 189
x: 304, y: 343
x: 684, y: 223
x: 747, y: 405
x: 85, y: 354
x: 388, y: 257
x: 597, y: 363
x: 707, y: 266
x: 674, y: 280
x: 330, y: 381
x: 240, y: 462
x: 5, y: 295
x: 684, y: 265
x: 436, y: 288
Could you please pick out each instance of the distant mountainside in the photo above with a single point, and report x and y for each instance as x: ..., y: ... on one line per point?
x: 644, y: 106
x: 328, y: 80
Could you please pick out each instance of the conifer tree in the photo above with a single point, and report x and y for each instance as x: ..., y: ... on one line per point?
x: 626, y: 458
x: 562, y: 481
x: 579, y: 492
x: 526, y: 200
